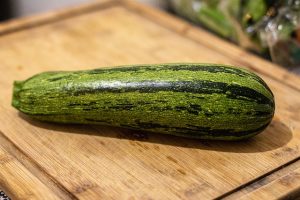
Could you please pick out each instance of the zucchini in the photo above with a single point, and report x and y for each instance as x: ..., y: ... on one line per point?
x: 207, y: 101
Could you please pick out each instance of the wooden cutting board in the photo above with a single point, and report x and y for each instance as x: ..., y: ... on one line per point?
x: 49, y: 161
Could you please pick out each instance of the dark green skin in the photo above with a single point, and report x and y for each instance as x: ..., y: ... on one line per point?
x: 204, y: 101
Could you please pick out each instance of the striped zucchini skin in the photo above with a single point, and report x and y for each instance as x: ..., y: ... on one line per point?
x: 207, y: 101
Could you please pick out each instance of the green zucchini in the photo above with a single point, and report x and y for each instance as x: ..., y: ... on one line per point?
x: 207, y: 101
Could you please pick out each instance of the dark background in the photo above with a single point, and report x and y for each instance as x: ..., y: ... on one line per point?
x: 5, y: 9
x: 19, y: 8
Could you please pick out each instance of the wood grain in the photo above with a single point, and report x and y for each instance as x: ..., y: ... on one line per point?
x: 18, y: 174
x: 95, y: 162
x: 273, y: 186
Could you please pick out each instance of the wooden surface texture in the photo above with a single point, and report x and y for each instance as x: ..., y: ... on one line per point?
x: 49, y: 161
